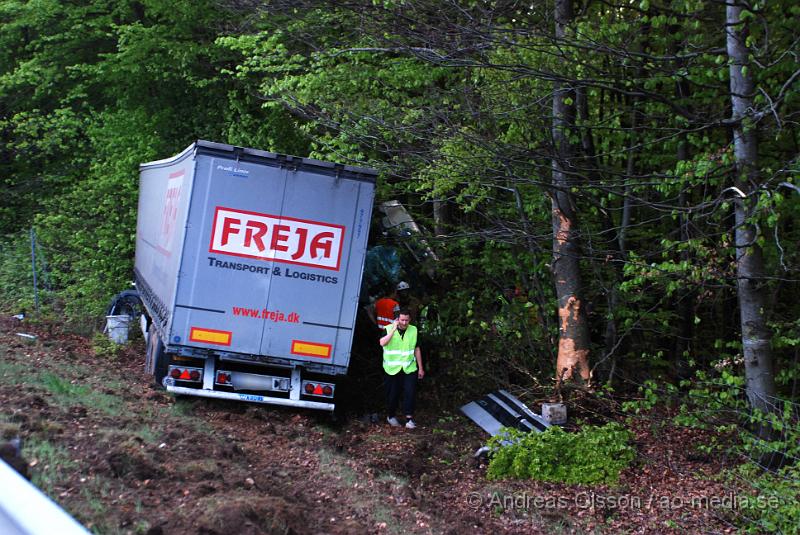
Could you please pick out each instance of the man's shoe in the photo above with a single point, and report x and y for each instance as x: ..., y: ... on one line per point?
x: 393, y: 421
x: 410, y: 424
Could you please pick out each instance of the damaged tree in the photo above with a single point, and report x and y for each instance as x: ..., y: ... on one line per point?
x: 572, y: 362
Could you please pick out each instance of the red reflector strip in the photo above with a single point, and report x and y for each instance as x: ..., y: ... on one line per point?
x: 311, y: 349
x: 210, y: 336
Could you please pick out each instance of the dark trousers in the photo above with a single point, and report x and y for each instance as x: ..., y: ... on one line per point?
x: 401, y: 382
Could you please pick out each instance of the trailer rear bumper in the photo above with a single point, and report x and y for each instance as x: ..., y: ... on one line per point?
x: 252, y: 398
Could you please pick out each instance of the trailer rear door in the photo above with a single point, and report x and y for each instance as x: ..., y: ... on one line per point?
x: 320, y: 291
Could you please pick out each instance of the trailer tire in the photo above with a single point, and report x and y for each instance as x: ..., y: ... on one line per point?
x: 127, y: 303
x: 156, y: 362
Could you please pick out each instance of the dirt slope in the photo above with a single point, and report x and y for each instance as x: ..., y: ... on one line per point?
x: 124, y: 457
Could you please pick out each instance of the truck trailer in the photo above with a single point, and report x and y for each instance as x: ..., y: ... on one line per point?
x: 249, y: 265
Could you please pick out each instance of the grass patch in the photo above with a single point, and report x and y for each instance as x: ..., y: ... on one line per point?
x: 65, y: 392
x: 69, y: 394
x: 12, y: 370
x: 49, y: 464
x: 51, y: 471
x: 147, y: 434
x: 394, y: 479
x: 183, y: 407
x: 269, y: 514
x: 141, y: 526
x: 384, y: 515
x: 8, y: 430
x: 90, y: 509
x: 203, y: 466
x: 333, y: 465
x: 91, y: 499
x: 182, y: 410
x: 366, y: 502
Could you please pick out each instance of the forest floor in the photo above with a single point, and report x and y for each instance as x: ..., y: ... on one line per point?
x: 122, y: 456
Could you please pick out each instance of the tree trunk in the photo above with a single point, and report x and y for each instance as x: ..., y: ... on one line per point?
x: 606, y: 364
x: 611, y: 334
x: 572, y: 362
x: 759, y: 375
x: 686, y: 302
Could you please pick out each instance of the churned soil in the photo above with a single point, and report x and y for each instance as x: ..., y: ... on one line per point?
x: 122, y: 456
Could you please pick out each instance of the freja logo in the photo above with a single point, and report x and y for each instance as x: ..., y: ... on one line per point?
x: 276, y: 238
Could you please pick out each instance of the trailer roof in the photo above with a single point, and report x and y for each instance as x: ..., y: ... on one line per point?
x: 272, y: 158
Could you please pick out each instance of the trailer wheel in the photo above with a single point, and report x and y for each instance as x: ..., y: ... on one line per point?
x: 127, y: 303
x: 156, y: 363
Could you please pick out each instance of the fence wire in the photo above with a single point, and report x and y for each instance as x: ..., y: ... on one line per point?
x: 25, y: 278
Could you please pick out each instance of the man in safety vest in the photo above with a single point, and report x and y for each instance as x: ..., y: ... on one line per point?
x: 402, y: 367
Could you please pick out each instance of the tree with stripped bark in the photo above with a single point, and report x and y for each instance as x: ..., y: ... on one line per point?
x: 572, y: 361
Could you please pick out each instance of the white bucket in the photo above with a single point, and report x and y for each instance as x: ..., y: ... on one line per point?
x: 117, y: 328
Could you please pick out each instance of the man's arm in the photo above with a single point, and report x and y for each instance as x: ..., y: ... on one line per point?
x: 418, y: 356
x: 389, y: 333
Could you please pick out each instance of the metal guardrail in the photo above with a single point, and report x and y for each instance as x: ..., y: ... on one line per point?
x: 500, y: 409
x: 25, y: 510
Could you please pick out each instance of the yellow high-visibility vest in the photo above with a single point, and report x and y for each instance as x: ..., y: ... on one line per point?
x: 398, y: 354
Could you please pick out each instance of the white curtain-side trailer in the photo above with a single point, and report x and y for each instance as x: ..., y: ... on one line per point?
x: 249, y: 266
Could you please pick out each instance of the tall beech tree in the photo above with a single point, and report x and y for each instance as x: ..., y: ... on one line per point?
x: 756, y: 336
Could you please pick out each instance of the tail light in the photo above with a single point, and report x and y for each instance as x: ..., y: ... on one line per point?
x: 182, y: 373
x: 223, y: 378
x: 324, y: 390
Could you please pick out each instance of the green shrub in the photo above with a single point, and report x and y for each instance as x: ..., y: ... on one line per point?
x: 718, y: 402
x: 773, y: 507
x: 592, y: 455
x: 16, y: 275
x: 104, y: 347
